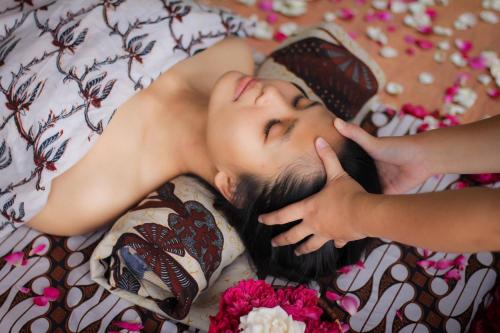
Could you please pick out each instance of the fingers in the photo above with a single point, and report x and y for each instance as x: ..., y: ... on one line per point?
x: 339, y: 243
x: 292, y: 236
x: 356, y: 134
x: 284, y: 215
x: 314, y: 243
x: 329, y: 159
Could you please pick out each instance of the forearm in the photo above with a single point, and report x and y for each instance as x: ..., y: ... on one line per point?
x: 470, y: 148
x: 467, y: 220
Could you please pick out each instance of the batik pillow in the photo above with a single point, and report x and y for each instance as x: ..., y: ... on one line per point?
x: 168, y: 250
x: 330, y: 67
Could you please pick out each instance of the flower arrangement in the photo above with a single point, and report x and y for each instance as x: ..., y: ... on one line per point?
x: 254, y: 306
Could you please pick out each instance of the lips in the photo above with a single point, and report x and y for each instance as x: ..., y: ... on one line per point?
x: 243, y: 84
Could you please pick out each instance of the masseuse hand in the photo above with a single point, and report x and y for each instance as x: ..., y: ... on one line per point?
x: 329, y: 214
x: 400, y: 160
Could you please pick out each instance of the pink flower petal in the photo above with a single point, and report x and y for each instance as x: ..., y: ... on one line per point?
x: 128, y: 326
x: 40, y: 300
x: 279, y: 36
x: 463, y: 45
x: 333, y: 296
x: 443, y: 264
x: 422, y: 127
x: 399, y: 315
x: 426, y: 253
x: 410, y: 39
x: 345, y: 14
x: 424, y: 44
x: 493, y: 92
x: 452, y: 274
x: 410, y: 51
x: 349, y: 304
x: 37, y: 249
x: 392, y: 28
x: 266, y: 5
x: 24, y: 290
x: 369, y: 17
x: 15, y: 258
x: 360, y: 264
x: 425, y: 29
x: 352, y: 34
x: 431, y: 12
x: 460, y: 185
x: 459, y: 262
x: 345, y: 269
x: 271, y: 18
x: 51, y: 293
x: 426, y: 263
x: 384, y: 15
x: 478, y: 62
x: 461, y: 80
x: 343, y: 327
x: 485, y: 178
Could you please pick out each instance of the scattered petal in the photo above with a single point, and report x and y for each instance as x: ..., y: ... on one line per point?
x: 426, y: 263
x: 40, y: 300
x: 399, y: 315
x: 352, y: 34
x: 459, y: 262
x: 359, y: 264
x: 15, y: 258
x: 484, y: 79
x: 477, y: 62
x: 488, y: 16
x: 410, y: 51
x: 349, y: 304
x: 443, y: 264
x: 394, y: 88
x: 344, y: 269
x: 391, y: 28
x: 426, y: 78
x: 51, y: 293
x: 460, y: 185
x: 409, y: 39
x: 279, y: 36
x: 345, y: 14
x: 388, y: 52
x: 463, y: 45
x: 329, y: 17
x: 424, y: 44
x: 332, y: 296
x: 24, y: 290
x: 37, y: 249
x: 452, y: 274
x: 128, y: 326
x: 426, y: 253
x: 266, y: 5
x: 271, y: 18
x: 425, y: 29
x: 493, y: 92
x: 431, y: 12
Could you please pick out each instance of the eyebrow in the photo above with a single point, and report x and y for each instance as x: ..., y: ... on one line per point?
x: 300, y: 89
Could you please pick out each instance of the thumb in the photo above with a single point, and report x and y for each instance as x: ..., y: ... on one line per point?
x: 356, y: 134
x: 329, y: 159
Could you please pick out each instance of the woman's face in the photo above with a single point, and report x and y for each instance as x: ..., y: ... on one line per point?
x: 260, y: 127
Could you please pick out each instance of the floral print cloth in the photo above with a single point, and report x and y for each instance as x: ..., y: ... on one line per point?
x: 66, y: 66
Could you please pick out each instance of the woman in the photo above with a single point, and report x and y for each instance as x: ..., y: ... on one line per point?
x: 206, y: 115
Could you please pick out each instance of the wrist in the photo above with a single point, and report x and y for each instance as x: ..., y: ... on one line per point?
x: 365, y: 222
x: 426, y: 153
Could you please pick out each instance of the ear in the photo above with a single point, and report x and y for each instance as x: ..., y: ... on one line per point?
x: 226, y: 185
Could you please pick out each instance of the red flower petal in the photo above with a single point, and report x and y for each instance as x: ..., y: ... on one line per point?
x: 459, y: 262
x: 399, y: 315
x: 360, y: 264
x: 443, y: 264
x: 352, y: 34
x: 51, y: 293
x: 431, y: 12
x: 24, y: 290
x: 272, y: 18
x: 345, y: 14
x: 478, y: 62
x: 37, y: 249
x: 40, y: 300
x: 493, y: 92
x: 279, y: 36
x: 15, y: 258
x: 266, y: 5
x: 345, y: 269
x: 410, y: 39
x: 463, y: 45
x: 410, y: 51
x: 453, y: 274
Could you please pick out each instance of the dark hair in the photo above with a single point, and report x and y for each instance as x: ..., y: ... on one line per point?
x: 257, y: 198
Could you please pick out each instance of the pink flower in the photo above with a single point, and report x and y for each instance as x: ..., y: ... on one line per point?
x: 49, y: 294
x: 443, y: 264
x: 452, y: 274
x: 349, y: 304
x: 37, y: 249
x: 128, y: 326
x: 424, y: 44
x: 346, y: 14
x: 16, y: 258
x: 333, y: 296
x: 478, y: 62
x: 459, y: 262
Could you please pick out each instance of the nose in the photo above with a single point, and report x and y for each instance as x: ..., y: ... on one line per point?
x: 272, y: 96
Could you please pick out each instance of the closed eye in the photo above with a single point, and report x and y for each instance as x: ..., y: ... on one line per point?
x: 296, y: 100
x: 268, y: 127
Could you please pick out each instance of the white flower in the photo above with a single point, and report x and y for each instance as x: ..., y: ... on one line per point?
x: 270, y: 320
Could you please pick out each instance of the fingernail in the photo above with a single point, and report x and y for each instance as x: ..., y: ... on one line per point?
x: 321, y: 143
x: 297, y: 253
x: 259, y: 219
x: 339, y: 123
x: 273, y: 244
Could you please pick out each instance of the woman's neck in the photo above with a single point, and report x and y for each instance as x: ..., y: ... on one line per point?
x: 177, y: 131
